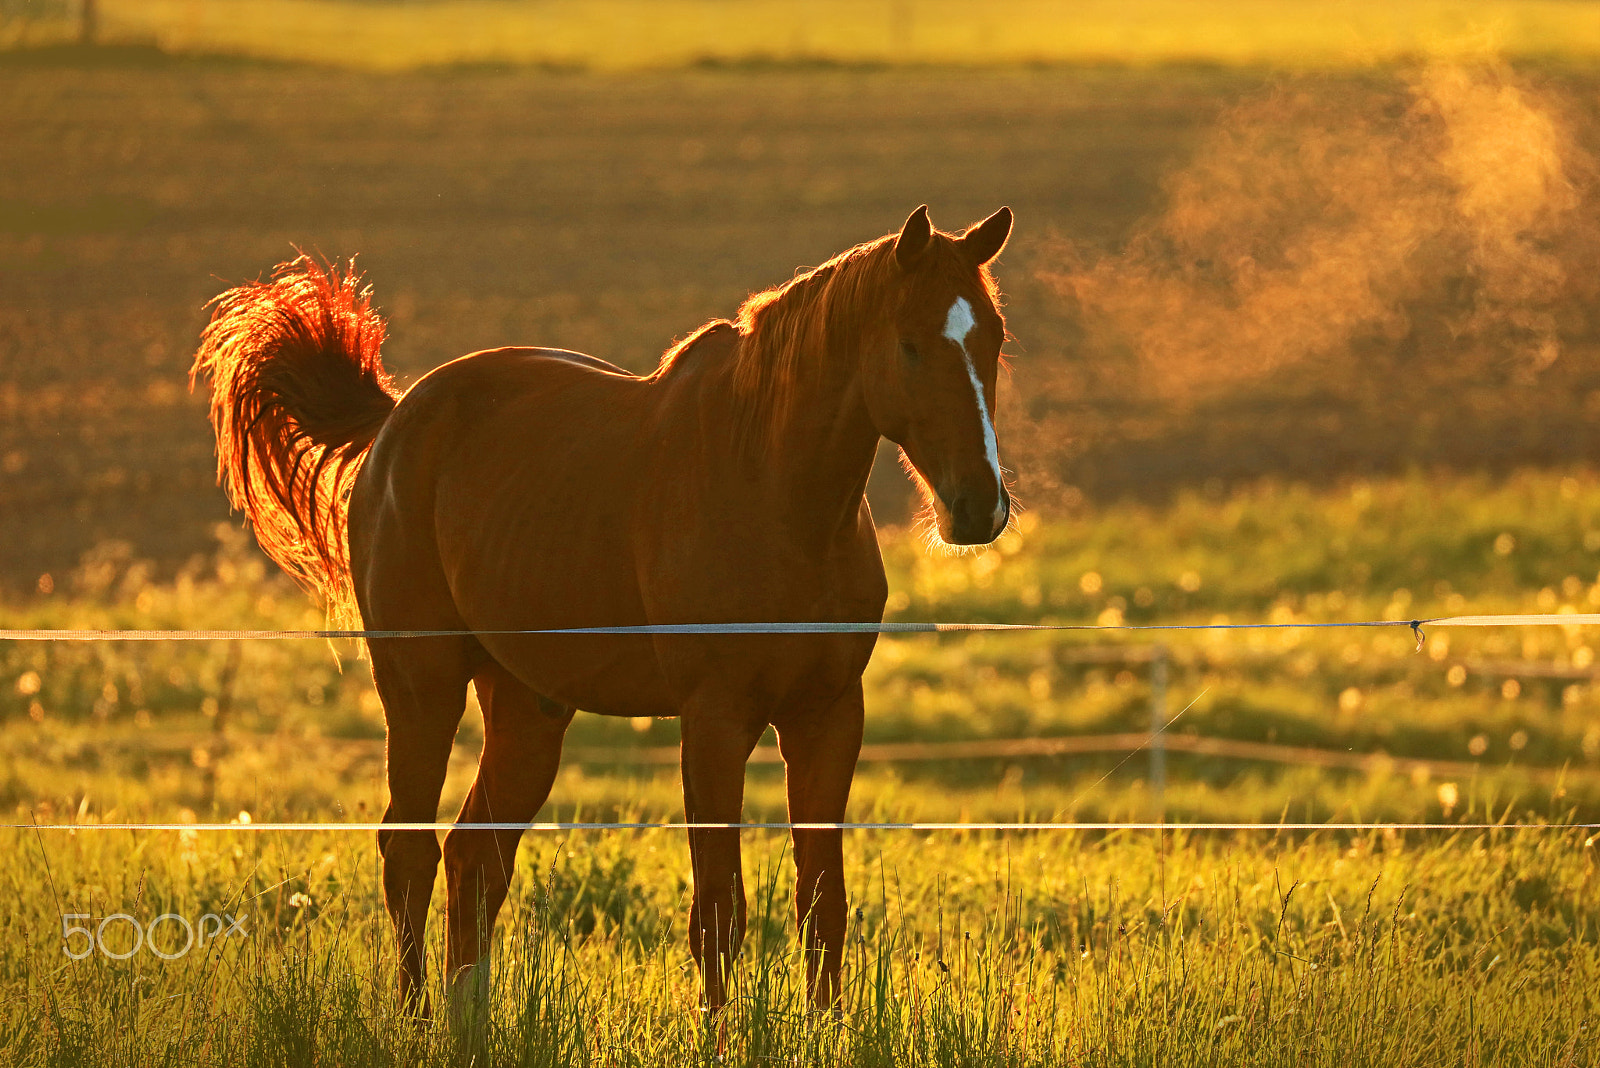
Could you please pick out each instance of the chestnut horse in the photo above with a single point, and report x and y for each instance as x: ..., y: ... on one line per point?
x: 526, y: 489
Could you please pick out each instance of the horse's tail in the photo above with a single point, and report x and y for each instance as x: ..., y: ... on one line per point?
x: 297, y: 395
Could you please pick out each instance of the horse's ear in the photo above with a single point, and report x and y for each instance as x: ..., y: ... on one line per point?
x: 983, y: 242
x: 913, y: 238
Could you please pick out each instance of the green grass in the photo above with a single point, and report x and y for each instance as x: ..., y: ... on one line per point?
x: 135, y: 728
x: 1034, y: 949
x: 1058, y: 947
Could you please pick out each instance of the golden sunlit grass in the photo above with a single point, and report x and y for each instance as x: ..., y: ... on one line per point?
x: 1040, y: 948
x: 973, y: 950
x: 125, y: 731
x: 632, y: 34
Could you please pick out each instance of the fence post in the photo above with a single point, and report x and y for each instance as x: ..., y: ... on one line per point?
x: 219, y: 723
x: 1158, y: 720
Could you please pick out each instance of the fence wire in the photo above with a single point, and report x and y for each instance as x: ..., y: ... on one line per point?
x: 559, y: 826
x: 1549, y: 619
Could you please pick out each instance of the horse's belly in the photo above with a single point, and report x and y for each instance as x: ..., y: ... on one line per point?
x: 608, y: 674
x: 769, y: 676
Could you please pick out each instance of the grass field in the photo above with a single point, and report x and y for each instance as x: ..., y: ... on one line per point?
x: 632, y: 34
x: 1289, y: 947
x: 1032, y: 949
x: 138, y: 730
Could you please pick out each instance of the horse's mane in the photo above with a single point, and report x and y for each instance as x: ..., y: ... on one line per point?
x: 842, y: 297
x: 778, y: 327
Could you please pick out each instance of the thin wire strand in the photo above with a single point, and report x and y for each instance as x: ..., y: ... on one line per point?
x: 1136, y: 750
x: 1550, y: 619
x: 138, y: 635
x: 556, y: 826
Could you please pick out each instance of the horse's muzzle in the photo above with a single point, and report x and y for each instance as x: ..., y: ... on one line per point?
x: 971, y: 519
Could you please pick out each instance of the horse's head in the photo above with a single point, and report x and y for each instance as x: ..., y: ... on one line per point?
x: 930, y: 384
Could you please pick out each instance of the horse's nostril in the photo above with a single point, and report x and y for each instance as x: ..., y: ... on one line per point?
x: 971, y: 519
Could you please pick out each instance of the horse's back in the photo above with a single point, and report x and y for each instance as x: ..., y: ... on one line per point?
x: 508, y: 430
x: 470, y: 396
x: 581, y: 359
x: 512, y: 370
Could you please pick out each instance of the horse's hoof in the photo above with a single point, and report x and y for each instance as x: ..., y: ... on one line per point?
x: 469, y: 997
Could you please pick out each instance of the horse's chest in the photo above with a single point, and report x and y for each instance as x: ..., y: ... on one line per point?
x: 760, y: 584
x: 764, y: 674
x: 756, y: 577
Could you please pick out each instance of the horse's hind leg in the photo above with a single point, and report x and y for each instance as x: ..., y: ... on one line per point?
x: 522, y: 734
x: 423, y: 684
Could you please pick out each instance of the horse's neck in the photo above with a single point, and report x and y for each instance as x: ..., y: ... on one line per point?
x: 820, y: 452
x: 825, y: 449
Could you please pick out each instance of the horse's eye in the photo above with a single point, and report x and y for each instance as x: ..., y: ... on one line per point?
x: 908, y: 352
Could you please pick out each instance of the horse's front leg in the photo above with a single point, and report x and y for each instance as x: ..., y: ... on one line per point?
x: 716, y: 743
x: 819, y: 749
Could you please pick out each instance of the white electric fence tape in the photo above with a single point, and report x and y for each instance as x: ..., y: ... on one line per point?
x: 685, y: 628
x: 1551, y: 619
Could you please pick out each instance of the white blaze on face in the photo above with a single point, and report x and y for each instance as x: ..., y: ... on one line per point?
x: 958, y: 323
